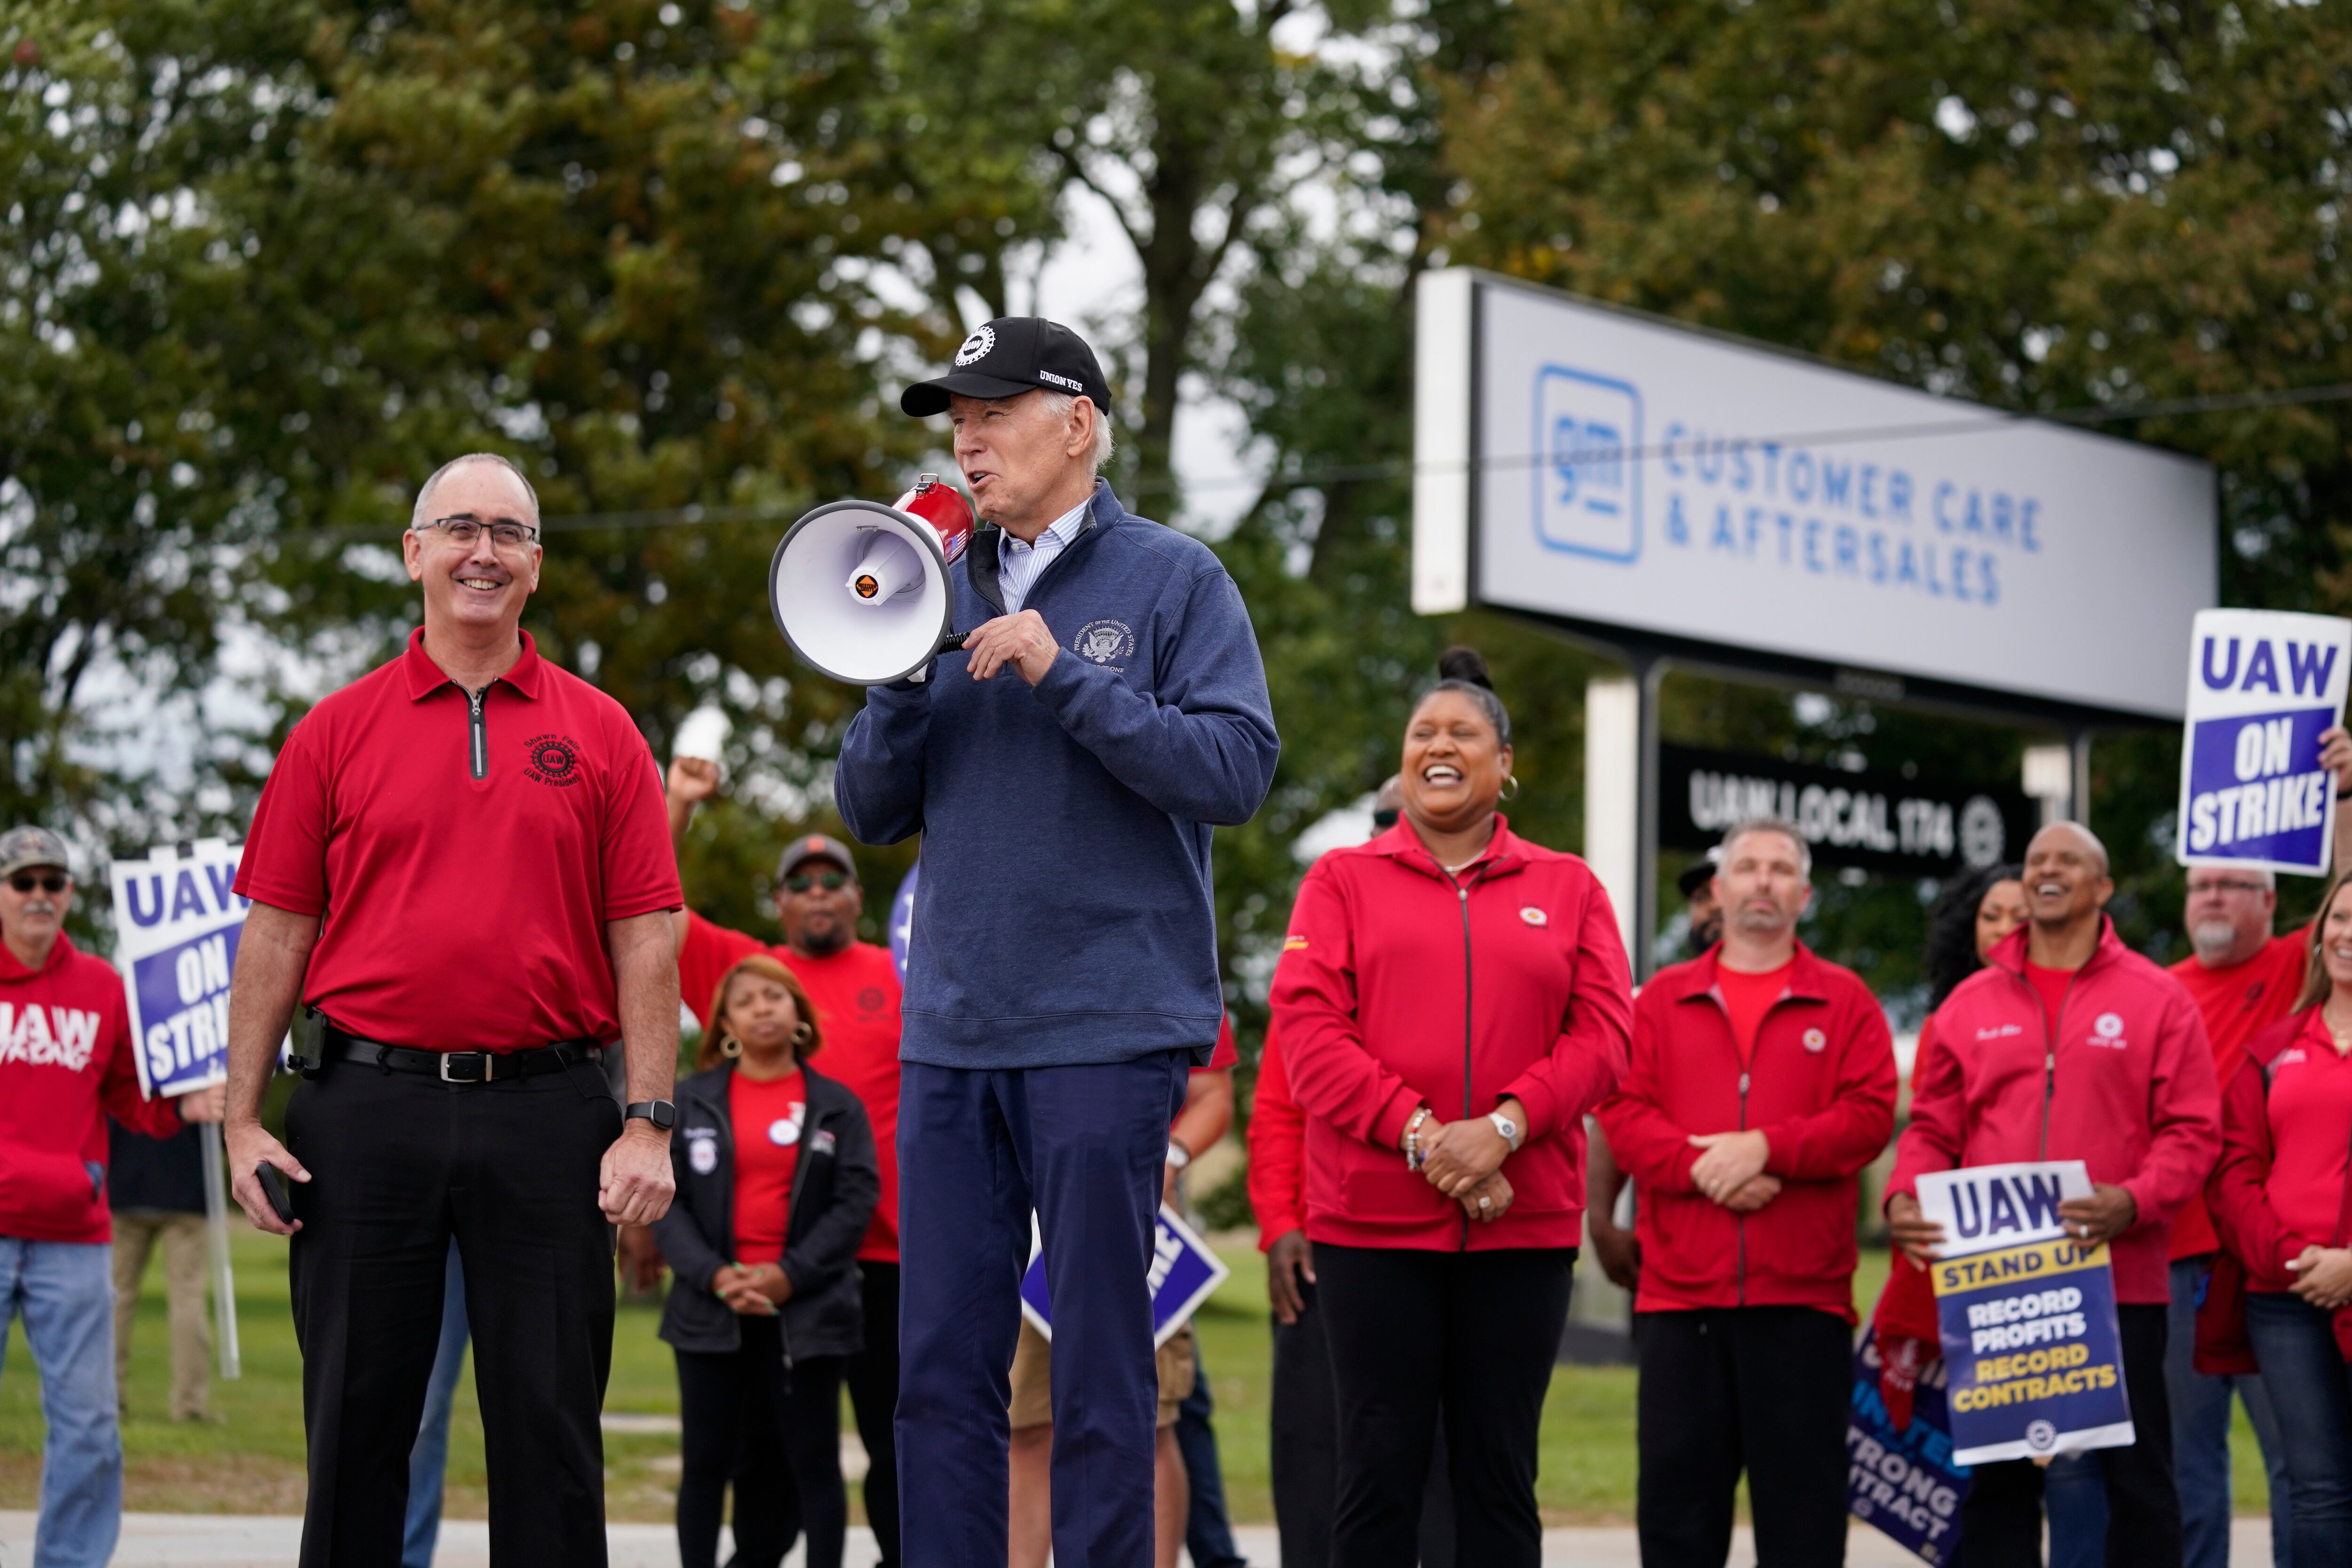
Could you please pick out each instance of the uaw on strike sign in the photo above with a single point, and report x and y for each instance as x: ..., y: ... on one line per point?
x: 2027, y: 1316
x: 176, y: 922
x: 2263, y: 685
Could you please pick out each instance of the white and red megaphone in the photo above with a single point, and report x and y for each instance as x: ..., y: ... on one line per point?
x: 860, y: 590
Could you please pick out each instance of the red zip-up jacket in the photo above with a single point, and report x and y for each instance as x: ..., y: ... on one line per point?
x: 2282, y: 1184
x: 1401, y: 984
x: 1277, y: 1149
x: 1821, y: 1088
x: 2124, y: 1083
x: 65, y: 1065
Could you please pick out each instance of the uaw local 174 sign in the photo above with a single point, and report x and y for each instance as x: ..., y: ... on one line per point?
x: 2026, y: 1315
x: 1184, y: 1273
x: 2263, y: 686
x: 177, y: 923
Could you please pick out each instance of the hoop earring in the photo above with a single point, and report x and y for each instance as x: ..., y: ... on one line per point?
x: 802, y: 1031
x: 1510, y: 790
x: 730, y: 1046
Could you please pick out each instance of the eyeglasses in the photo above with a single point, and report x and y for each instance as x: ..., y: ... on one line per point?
x: 50, y: 882
x: 2220, y: 885
x: 1384, y: 820
x: 463, y: 531
x: 831, y: 881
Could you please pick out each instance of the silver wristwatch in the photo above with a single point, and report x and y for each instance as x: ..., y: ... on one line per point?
x: 1507, y: 1128
x: 1178, y: 1155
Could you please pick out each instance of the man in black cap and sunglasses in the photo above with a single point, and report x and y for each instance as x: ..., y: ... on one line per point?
x: 853, y: 987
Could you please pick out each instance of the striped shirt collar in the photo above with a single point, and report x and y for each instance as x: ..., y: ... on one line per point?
x: 1018, y: 564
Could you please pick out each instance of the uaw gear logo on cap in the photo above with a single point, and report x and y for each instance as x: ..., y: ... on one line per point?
x: 976, y: 346
x: 1104, y: 642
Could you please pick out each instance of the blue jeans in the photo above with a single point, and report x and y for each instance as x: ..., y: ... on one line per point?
x: 2074, y: 1496
x: 66, y: 1291
x: 430, y: 1458
x: 2311, y: 1391
x: 2200, y: 1437
x: 1208, y: 1533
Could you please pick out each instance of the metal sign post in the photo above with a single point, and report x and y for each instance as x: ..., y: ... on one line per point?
x: 216, y: 1243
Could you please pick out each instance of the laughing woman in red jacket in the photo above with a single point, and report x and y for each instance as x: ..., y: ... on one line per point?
x: 1452, y: 1000
x: 2282, y: 1200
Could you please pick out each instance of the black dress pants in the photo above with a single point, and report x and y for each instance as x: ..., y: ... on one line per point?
x: 1304, y: 1426
x: 1417, y: 1339
x: 873, y: 1377
x: 776, y: 1436
x: 2000, y: 1519
x: 1760, y: 1388
x: 400, y: 1163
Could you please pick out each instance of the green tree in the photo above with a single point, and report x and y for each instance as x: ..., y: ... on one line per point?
x: 2037, y: 206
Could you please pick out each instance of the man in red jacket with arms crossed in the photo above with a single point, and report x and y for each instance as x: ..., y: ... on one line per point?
x: 2069, y: 1046
x: 1762, y: 1082
x: 65, y: 1059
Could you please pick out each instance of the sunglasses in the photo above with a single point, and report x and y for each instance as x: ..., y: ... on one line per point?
x: 1384, y: 820
x: 49, y: 882
x: 831, y: 881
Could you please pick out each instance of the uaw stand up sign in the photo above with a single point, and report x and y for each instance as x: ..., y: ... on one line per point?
x: 2027, y: 1316
x: 2263, y: 685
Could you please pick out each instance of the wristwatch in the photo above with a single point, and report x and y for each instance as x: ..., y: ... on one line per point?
x: 660, y: 1112
x: 1507, y: 1128
x: 1178, y: 1155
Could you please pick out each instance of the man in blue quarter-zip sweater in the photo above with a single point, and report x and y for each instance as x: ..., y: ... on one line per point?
x: 1065, y: 770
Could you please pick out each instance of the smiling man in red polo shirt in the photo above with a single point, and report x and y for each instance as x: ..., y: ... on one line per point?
x: 458, y: 865
x: 854, y: 987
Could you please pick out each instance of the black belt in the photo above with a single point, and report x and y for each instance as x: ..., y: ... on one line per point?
x: 456, y: 1067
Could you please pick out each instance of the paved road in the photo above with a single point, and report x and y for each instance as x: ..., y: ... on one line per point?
x: 200, y: 1540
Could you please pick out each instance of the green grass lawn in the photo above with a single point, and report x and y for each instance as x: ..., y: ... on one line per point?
x: 251, y: 1461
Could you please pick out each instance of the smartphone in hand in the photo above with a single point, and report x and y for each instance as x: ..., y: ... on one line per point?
x: 273, y: 1188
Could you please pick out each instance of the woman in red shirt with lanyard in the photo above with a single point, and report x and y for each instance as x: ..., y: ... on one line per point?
x: 776, y: 1180
x: 2281, y: 1199
x: 1452, y: 1001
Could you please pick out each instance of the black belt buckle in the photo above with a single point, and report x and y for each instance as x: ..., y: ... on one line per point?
x: 478, y: 1061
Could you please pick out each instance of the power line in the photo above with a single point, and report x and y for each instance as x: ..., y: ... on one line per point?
x: 699, y: 516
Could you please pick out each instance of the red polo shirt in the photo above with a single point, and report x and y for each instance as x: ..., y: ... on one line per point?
x: 855, y: 994
x: 2237, y: 1001
x: 464, y: 873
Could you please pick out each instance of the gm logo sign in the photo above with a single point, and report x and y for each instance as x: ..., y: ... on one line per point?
x: 1587, y: 480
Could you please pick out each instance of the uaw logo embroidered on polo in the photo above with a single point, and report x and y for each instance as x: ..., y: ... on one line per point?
x: 554, y: 760
x: 976, y: 346
x: 2107, y: 1029
x: 1816, y: 1042
x: 870, y: 999
x: 1104, y: 642
x: 1535, y: 917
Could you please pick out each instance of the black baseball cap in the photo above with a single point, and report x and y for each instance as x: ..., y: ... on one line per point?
x: 1009, y: 356
x: 1699, y: 873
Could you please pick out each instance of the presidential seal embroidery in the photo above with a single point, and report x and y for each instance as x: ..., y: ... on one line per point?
x: 702, y: 1154
x: 1104, y: 642
x: 976, y: 346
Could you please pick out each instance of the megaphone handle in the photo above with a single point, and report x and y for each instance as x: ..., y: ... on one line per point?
x: 953, y: 642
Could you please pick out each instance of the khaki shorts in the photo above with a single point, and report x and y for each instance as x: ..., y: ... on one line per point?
x: 1033, y: 1377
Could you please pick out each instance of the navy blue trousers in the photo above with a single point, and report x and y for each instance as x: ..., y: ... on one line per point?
x: 978, y: 1150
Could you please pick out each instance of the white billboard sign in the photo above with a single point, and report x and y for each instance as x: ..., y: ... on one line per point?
x: 1605, y: 468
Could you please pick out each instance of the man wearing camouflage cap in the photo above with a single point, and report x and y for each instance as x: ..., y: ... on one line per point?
x: 65, y: 1061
